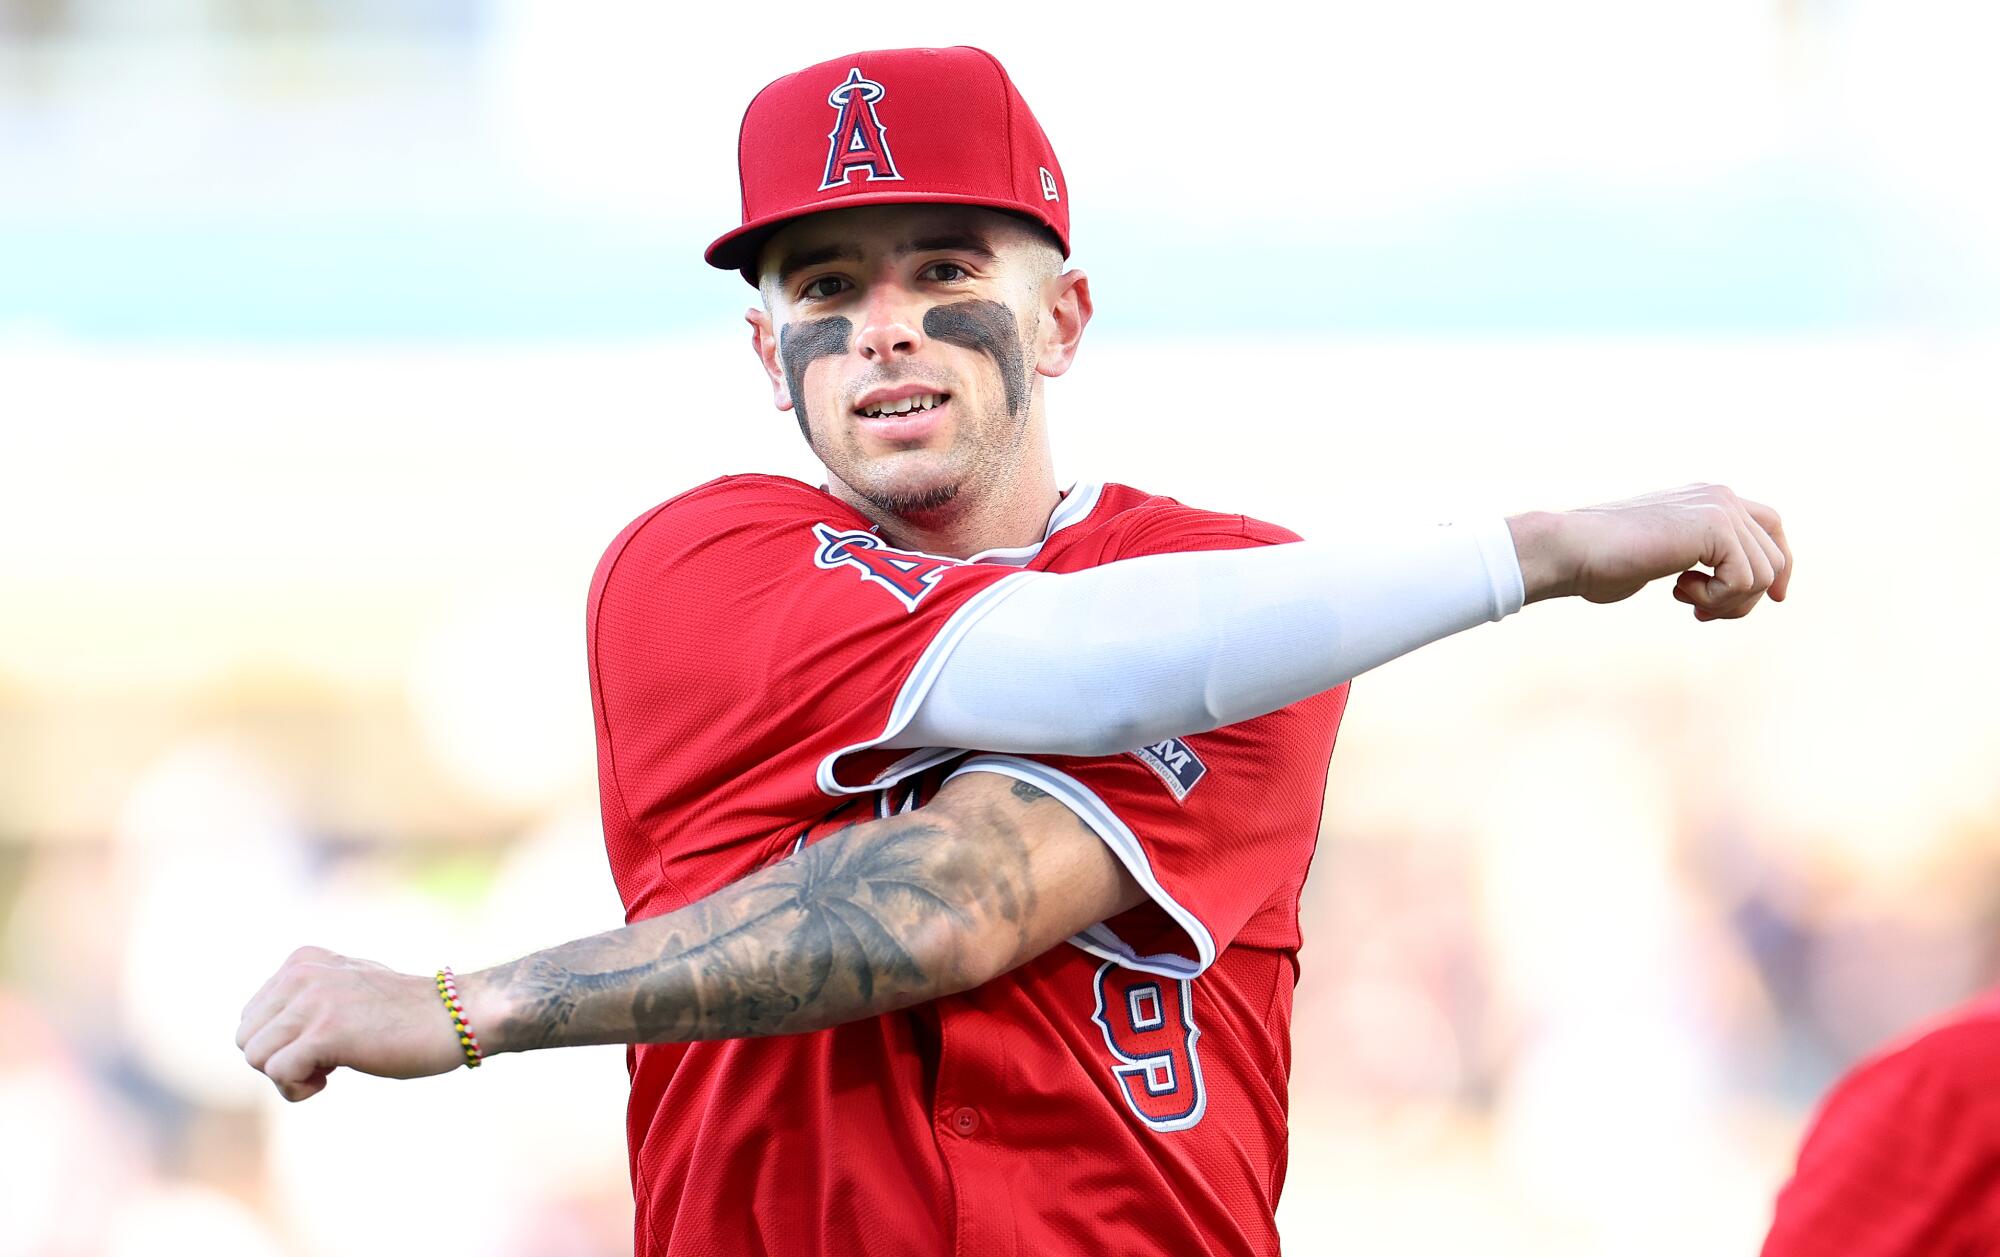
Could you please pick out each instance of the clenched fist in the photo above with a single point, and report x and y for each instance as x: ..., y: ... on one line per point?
x: 1610, y: 552
x: 321, y: 1011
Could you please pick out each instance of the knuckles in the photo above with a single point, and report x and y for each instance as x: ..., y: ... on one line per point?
x: 298, y: 999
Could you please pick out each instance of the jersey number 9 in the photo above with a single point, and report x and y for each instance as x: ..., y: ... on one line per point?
x: 1148, y: 1023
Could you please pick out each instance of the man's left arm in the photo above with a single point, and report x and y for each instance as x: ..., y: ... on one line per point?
x: 874, y: 918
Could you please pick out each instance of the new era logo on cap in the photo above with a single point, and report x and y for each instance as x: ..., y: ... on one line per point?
x: 908, y: 126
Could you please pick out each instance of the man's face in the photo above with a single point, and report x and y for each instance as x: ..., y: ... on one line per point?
x: 906, y: 338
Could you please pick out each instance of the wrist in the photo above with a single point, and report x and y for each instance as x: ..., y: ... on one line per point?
x: 1538, y: 545
x: 488, y: 1009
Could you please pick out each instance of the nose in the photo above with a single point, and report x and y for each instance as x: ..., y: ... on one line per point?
x: 891, y: 324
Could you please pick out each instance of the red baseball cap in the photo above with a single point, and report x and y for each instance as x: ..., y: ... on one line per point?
x: 903, y: 126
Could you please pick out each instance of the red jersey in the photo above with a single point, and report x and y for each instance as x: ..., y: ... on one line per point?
x: 1903, y: 1159
x: 751, y: 643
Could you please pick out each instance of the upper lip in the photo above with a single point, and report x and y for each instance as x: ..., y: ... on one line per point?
x: 894, y: 393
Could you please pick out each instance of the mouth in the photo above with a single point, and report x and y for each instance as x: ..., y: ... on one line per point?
x: 903, y: 401
x: 903, y: 415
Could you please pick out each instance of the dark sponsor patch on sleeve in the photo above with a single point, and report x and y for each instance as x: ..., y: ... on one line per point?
x: 1175, y: 763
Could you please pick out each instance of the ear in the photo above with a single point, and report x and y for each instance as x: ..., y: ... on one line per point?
x: 1062, y: 328
x: 764, y: 339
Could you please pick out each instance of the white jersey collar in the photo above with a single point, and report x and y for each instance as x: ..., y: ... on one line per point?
x: 1075, y: 507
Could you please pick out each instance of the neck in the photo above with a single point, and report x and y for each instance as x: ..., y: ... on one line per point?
x: 1004, y: 516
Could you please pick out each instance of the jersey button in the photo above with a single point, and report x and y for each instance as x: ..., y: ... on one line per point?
x: 965, y: 1121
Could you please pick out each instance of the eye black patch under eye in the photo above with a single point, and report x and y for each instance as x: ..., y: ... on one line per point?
x: 799, y: 344
x: 989, y: 327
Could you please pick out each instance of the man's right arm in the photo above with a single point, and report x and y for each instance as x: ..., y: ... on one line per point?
x: 882, y: 915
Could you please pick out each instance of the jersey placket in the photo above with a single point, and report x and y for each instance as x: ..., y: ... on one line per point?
x: 971, y: 1125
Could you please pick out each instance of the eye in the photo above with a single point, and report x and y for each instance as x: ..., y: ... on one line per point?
x: 816, y: 290
x: 947, y: 272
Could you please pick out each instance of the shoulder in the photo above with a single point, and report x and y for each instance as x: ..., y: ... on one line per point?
x: 732, y: 501
x: 728, y: 507
x: 719, y: 530
x: 1150, y: 523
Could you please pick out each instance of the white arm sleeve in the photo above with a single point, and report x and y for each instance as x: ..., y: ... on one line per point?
x: 1140, y: 650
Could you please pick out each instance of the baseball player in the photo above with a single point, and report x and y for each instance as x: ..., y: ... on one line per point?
x: 960, y: 820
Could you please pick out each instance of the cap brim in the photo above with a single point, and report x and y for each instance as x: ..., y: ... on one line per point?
x: 738, y: 250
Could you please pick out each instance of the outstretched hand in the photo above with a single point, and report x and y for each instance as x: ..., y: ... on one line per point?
x: 1608, y: 553
x: 321, y: 1011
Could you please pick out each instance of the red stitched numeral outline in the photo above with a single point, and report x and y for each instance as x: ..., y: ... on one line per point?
x: 1148, y: 1023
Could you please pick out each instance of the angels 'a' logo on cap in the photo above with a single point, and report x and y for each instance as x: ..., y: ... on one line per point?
x: 856, y: 141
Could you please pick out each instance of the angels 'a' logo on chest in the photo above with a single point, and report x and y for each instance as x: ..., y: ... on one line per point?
x: 907, y: 574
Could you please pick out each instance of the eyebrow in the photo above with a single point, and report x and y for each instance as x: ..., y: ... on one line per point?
x: 950, y: 242
x: 792, y: 263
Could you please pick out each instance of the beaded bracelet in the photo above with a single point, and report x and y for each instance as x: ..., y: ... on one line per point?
x: 448, y: 992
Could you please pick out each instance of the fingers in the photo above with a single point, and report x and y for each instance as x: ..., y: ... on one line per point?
x: 270, y: 1031
x: 269, y: 999
x: 1733, y: 587
x: 1745, y: 545
x: 297, y: 1071
x: 1708, y: 596
x: 1773, y: 529
x: 277, y: 989
x: 1685, y: 586
x: 286, y: 1051
x: 1758, y: 551
x: 278, y: 1033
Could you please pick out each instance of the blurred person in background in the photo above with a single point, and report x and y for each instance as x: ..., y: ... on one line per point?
x: 1903, y: 1157
x: 855, y: 1021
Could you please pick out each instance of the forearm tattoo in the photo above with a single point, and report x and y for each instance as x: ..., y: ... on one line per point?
x: 873, y: 918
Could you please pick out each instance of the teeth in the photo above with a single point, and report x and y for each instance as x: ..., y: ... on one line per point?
x: 922, y: 401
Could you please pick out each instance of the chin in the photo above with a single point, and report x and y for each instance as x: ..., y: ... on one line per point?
x: 910, y: 484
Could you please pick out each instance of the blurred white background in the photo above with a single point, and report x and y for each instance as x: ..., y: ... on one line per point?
x: 336, y: 341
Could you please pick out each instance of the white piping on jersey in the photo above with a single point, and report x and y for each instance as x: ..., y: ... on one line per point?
x: 921, y: 678
x: 1099, y: 940
x: 885, y: 807
x: 1075, y: 507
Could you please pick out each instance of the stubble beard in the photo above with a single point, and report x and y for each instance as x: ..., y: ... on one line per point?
x: 985, y: 466
x: 923, y: 502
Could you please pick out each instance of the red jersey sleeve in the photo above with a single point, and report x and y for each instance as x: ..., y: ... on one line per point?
x: 1902, y: 1157
x: 750, y: 637
x: 1217, y: 827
